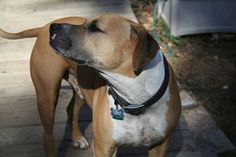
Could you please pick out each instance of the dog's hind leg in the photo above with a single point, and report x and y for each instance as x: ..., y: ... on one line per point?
x: 46, y: 107
x: 47, y: 70
x: 47, y: 94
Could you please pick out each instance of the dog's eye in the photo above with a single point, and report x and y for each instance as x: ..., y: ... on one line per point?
x: 94, y: 28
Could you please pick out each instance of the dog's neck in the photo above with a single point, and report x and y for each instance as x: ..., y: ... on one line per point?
x: 139, y: 89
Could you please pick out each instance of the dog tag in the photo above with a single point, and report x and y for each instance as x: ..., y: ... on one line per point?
x: 117, y: 114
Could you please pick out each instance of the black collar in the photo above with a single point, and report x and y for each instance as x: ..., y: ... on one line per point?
x: 136, y: 109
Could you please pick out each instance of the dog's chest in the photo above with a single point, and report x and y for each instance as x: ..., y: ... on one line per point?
x: 145, y: 129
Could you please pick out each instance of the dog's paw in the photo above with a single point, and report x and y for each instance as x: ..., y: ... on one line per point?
x: 81, y: 143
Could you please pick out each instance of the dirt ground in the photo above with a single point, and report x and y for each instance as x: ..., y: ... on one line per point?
x: 204, y: 64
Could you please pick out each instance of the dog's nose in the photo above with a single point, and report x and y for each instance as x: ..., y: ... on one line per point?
x: 57, y: 28
x: 54, y: 28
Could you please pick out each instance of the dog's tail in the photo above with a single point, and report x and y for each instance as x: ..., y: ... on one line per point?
x: 30, y: 33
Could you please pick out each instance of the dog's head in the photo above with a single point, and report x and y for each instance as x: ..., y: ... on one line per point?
x: 106, y: 42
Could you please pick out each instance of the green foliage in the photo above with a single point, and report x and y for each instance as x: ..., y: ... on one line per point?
x: 165, y: 34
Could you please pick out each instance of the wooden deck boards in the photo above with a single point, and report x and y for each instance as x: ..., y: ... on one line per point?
x: 20, y: 128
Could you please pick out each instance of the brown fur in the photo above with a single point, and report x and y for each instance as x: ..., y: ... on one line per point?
x: 144, y: 42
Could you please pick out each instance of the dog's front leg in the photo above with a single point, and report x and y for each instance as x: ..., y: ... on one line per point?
x: 73, y: 110
x: 103, y: 150
x: 79, y: 140
x: 159, y: 150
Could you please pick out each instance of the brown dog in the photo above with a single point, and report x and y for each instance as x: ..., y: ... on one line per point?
x: 122, y: 76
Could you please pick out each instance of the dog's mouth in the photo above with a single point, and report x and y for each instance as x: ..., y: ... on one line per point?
x: 64, y: 54
x: 59, y: 51
x: 79, y: 61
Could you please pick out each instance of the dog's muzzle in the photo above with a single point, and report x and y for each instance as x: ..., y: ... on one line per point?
x: 60, y: 37
x: 63, y: 40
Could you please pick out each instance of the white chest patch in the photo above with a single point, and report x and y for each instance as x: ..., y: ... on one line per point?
x: 145, y: 129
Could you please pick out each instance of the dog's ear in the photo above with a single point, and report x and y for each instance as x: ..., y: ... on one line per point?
x: 146, y: 47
